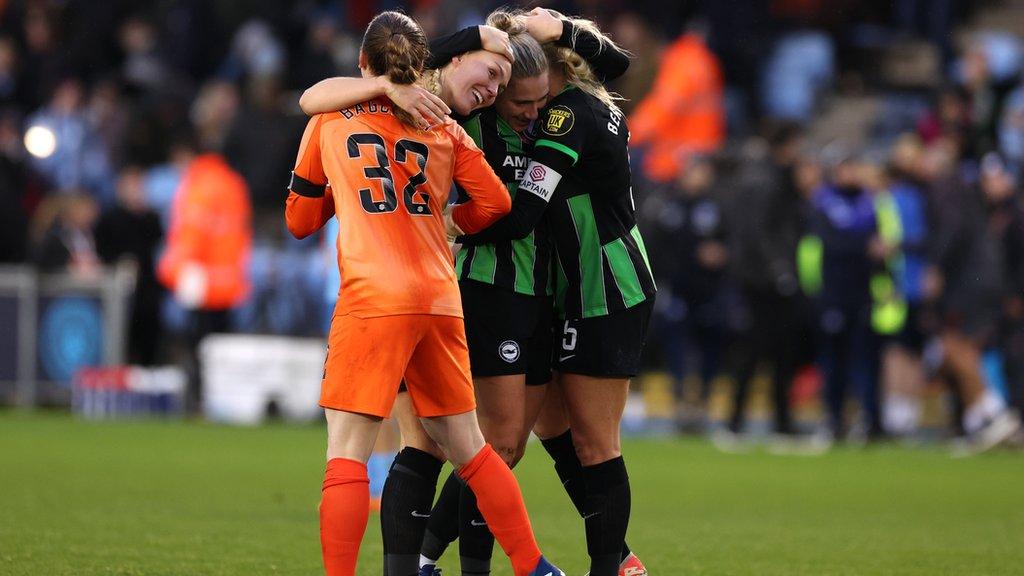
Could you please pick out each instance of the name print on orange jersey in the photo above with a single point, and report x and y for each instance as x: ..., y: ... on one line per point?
x: 372, y: 107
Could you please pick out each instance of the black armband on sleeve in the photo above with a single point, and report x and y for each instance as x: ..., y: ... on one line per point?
x: 443, y: 49
x: 304, y: 187
x: 607, y: 62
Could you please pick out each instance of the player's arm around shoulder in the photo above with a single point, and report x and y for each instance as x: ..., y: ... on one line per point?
x: 540, y: 180
x: 488, y: 197
x: 561, y: 140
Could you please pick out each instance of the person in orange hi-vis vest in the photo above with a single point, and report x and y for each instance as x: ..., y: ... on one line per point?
x: 399, y: 311
x: 683, y: 113
x: 206, y: 262
x: 210, y: 237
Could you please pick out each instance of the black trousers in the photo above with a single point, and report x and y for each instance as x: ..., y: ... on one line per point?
x: 201, y: 323
x: 770, y: 337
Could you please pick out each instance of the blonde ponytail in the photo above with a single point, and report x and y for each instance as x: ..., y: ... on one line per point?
x: 575, y: 69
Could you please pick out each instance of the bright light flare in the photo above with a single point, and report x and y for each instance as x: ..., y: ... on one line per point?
x: 40, y: 141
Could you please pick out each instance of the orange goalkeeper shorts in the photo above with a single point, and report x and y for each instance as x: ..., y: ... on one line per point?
x: 367, y: 358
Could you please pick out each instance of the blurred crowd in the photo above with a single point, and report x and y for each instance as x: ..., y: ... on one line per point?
x: 885, y: 255
x: 787, y: 227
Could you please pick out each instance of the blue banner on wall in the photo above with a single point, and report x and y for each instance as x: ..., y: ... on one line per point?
x: 70, y: 337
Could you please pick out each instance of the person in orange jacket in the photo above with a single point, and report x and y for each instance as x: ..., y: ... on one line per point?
x: 206, y: 262
x: 684, y: 111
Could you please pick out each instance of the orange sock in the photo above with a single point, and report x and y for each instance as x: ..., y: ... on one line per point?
x: 501, y: 503
x: 344, y: 509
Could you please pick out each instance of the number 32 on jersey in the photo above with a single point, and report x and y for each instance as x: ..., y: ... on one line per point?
x: 357, y: 144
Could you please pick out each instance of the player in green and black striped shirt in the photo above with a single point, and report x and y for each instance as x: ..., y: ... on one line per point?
x: 506, y: 283
x: 506, y: 306
x: 578, y: 181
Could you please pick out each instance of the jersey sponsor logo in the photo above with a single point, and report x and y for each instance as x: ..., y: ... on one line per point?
x: 509, y: 351
x: 540, y: 180
x: 514, y: 167
x: 559, y: 121
x: 515, y: 160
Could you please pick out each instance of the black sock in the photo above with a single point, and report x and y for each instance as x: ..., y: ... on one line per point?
x: 568, y: 467
x: 443, y: 526
x: 570, y: 472
x: 607, y: 514
x: 405, y: 508
x: 476, y: 544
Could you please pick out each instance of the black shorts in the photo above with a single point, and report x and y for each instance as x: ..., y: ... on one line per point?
x: 913, y: 336
x: 604, y: 346
x: 508, y: 333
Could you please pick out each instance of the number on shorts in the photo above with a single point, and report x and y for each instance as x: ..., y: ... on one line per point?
x: 568, y: 337
x: 382, y: 172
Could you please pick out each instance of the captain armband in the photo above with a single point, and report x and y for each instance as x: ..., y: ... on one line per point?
x: 540, y: 180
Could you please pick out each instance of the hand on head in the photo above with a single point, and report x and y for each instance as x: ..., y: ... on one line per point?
x: 543, y: 25
x: 494, y: 40
x: 429, y: 110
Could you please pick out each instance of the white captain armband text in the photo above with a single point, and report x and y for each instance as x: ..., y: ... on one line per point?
x: 540, y: 180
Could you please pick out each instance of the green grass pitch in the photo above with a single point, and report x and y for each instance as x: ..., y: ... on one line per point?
x: 80, y: 498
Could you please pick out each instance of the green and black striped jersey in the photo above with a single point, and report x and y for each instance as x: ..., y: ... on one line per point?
x: 519, y: 265
x: 600, y: 263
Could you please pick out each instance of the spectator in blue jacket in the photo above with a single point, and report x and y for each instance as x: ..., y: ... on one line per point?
x: 844, y: 219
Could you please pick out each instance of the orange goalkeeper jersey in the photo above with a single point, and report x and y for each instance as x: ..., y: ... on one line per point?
x: 388, y: 184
